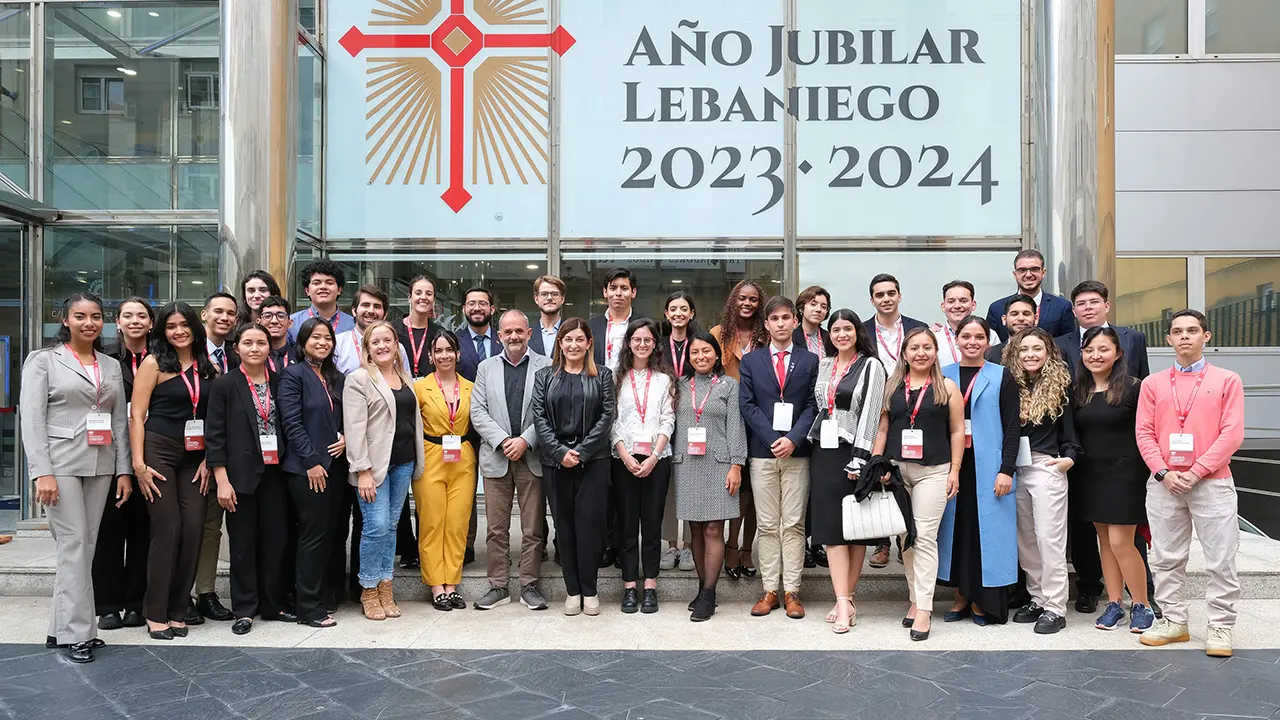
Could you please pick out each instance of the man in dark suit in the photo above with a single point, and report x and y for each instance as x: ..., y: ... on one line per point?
x: 776, y: 397
x: 478, y: 341
x: 1019, y: 314
x: 888, y: 326
x: 1054, y: 310
x: 607, y: 330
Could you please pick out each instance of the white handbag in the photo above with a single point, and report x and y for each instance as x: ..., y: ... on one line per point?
x: 878, y: 516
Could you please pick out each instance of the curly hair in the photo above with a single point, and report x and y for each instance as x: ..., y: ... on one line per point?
x: 1045, y: 396
x: 729, y: 318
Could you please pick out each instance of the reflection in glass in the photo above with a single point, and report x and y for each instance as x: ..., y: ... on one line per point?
x: 1151, y: 27
x: 1148, y: 292
x: 15, y: 95
x: 11, y: 341
x: 1241, y: 26
x: 1240, y: 301
x: 310, y: 135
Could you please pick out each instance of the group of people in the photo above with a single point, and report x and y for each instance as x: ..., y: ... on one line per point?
x: 997, y: 439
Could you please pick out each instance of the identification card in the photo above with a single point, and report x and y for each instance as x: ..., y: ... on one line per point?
x: 912, y: 444
x: 270, y: 449
x: 643, y: 445
x: 1182, y: 449
x: 697, y: 441
x: 452, y: 445
x: 782, y: 416
x: 1024, y: 452
x: 99, y: 427
x: 193, y: 435
x: 828, y: 435
x: 968, y: 433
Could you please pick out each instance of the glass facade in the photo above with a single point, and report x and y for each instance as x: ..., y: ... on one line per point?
x: 1148, y: 291
x: 15, y: 93
x: 1240, y: 300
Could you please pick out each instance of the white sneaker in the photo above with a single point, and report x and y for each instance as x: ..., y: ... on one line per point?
x: 1164, y: 632
x: 591, y: 605
x: 573, y: 605
x: 686, y: 560
x: 1217, y: 642
x: 668, y: 561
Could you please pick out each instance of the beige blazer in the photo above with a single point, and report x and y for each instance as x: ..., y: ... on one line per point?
x: 57, y: 396
x: 369, y: 420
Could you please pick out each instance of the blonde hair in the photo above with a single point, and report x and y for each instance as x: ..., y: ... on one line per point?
x: 899, y: 376
x: 366, y: 357
x: 1044, y: 397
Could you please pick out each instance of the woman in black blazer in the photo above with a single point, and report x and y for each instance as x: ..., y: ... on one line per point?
x: 315, y: 469
x: 243, y: 447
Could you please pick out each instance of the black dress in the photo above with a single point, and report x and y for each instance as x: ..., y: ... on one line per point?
x: 966, y: 550
x: 1109, y: 481
x: 829, y: 483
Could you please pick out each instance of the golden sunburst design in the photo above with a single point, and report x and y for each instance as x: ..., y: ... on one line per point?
x: 404, y: 98
x: 510, y: 118
x: 511, y: 12
x: 406, y: 12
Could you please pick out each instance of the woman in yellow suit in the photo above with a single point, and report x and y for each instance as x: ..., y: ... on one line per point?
x: 447, y: 487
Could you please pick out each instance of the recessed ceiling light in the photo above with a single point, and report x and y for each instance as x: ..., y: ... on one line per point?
x: 777, y: 282
x: 66, y: 122
x: 19, y: 69
x: 127, y: 71
x: 153, y: 13
x: 197, y: 282
x: 83, y: 272
x: 532, y: 267
x: 114, y: 13
x: 676, y: 282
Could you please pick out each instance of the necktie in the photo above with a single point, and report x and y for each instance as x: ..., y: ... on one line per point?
x: 780, y: 367
x: 218, y: 356
x: 482, y: 346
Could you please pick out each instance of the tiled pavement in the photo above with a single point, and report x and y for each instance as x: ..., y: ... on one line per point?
x: 210, y: 683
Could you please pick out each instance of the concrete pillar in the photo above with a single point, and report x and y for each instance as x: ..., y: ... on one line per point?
x: 259, y: 112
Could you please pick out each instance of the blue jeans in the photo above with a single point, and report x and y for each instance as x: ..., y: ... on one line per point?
x: 378, y: 539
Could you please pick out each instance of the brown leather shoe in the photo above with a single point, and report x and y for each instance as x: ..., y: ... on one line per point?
x: 881, y: 557
x: 795, y: 610
x: 766, y: 605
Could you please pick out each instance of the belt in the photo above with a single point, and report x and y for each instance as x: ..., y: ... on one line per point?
x: 570, y: 441
x: 433, y: 439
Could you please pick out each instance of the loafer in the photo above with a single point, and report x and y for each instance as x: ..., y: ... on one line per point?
x: 456, y: 601
x: 180, y: 632
x: 81, y: 652
x: 649, y: 603
x: 211, y: 607
x: 1050, y: 623
x: 957, y: 615
x: 110, y: 621
x: 165, y: 634
x: 52, y: 643
x: 282, y: 616
x: 133, y: 618
x: 242, y: 626
x: 630, y: 601
x: 1028, y: 613
x: 441, y: 602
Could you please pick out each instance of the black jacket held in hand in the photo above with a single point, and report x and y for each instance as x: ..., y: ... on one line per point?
x: 598, y: 412
x: 869, y: 481
x: 231, y: 429
x: 310, y: 423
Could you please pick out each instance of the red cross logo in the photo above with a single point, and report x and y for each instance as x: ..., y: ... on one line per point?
x: 457, y: 41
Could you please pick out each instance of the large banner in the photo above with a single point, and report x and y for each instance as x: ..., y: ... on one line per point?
x: 674, y: 118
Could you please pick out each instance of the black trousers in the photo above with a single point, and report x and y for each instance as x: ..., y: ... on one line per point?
x: 350, y: 525
x: 177, y: 526
x: 639, y: 504
x: 406, y: 538
x: 581, y: 501
x: 1087, y: 561
x: 258, y: 540
x: 120, y: 563
x: 320, y: 557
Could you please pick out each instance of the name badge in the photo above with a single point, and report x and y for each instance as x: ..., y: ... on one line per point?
x: 193, y: 435
x: 968, y: 433
x: 452, y: 445
x: 270, y: 449
x: 697, y: 441
x: 1182, y: 449
x: 1024, y: 452
x: 643, y: 445
x: 782, y: 416
x: 912, y: 444
x: 828, y: 435
x: 99, y: 427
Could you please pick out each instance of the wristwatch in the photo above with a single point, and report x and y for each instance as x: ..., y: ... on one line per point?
x: 1160, y: 475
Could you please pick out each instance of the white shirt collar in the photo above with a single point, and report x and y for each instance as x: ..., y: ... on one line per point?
x: 775, y: 350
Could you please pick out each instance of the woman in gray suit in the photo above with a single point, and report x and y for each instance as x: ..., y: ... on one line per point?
x: 710, y: 450
x: 75, y: 433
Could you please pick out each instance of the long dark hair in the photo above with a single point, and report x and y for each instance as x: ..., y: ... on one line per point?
x: 862, y: 343
x: 1119, y: 381
x: 729, y: 317
x: 328, y: 370
x: 244, y: 314
x: 657, y: 359
x: 709, y: 339
x: 64, y: 332
x: 665, y: 325
x: 167, y: 356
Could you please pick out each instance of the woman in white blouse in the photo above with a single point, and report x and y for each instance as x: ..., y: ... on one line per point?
x: 646, y: 392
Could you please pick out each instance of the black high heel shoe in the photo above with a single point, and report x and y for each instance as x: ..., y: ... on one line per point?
x: 165, y: 634
x: 734, y: 573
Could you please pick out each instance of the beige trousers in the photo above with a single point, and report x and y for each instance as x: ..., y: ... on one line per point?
x: 781, y: 489
x: 1042, y: 532
x: 927, y: 485
x: 210, y: 544
x: 1212, y: 509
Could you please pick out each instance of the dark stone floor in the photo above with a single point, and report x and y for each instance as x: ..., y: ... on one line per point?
x: 209, y: 683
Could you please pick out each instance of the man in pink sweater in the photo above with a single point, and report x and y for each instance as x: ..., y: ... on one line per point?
x: 1190, y: 423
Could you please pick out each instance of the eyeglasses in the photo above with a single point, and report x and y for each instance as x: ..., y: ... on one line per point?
x: 549, y: 294
x: 276, y: 316
x: 477, y: 304
x: 641, y: 341
x: 1029, y: 270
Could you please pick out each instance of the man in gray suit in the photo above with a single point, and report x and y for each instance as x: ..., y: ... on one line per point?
x: 501, y: 413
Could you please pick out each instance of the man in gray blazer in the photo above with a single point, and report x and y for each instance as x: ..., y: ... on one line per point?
x: 501, y: 413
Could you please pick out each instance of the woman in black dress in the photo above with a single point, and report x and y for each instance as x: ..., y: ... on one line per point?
x: 1109, y: 483
x: 850, y: 393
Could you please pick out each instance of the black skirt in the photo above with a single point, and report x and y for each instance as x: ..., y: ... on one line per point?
x: 966, y: 551
x: 828, y: 486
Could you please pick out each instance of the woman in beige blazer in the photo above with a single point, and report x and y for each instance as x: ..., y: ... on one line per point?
x: 75, y: 433
x: 384, y: 450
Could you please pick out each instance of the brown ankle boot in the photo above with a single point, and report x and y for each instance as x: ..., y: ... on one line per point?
x: 371, y: 604
x: 388, y: 604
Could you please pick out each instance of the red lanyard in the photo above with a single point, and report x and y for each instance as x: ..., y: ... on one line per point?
x: 677, y: 358
x: 134, y: 358
x: 642, y: 406
x: 955, y: 352
x: 815, y: 346
x: 417, y: 348
x: 693, y: 397
x: 457, y: 400
x: 264, y: 410
x: 1184, y: 413
x: 284, y: 360
x: 835, y: 382
x: 888, y: 350
x: 608, y: 336
x: 97, y: 376
x: 355, y: 343
x: 192, y: 390
x: 972, y: 382
x: 907, y: 394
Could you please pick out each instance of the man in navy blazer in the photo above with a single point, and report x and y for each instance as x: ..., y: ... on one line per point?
x: 1055, y: 311
x: 1090, y: 301
x: 479, y: 333
x: 776, y: 390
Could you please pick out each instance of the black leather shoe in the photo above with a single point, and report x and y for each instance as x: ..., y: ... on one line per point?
x: 705, y: 605
x: 733, y: 573
x: 81, y: 652
x: 808, y: 559
x: 1087, y: 604
x: 193, y: 615
x: 51, y: 643
x: 441, y: 602
x: 469, y: 556
x: 919, y: 635
x: 242, y: 626
x: 1028, y: 613
x: 212, y: 608
x: 165, y: 634
x: 456, y: 601
x: 133, y: 618
x: 110, y: 621
x: 608, y: 557
x: 630, y: 600
x: 820, y: 556
x: 180, y: 632
x: 282, y: 616
x: 649, y: 604
x: 1050, y: 623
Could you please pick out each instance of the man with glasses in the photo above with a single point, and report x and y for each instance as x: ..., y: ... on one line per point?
x: 274, y: 316
x: 1054, y: 311
x: 479, y: 342
x: 548, y: 294
x: 322, y: 282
